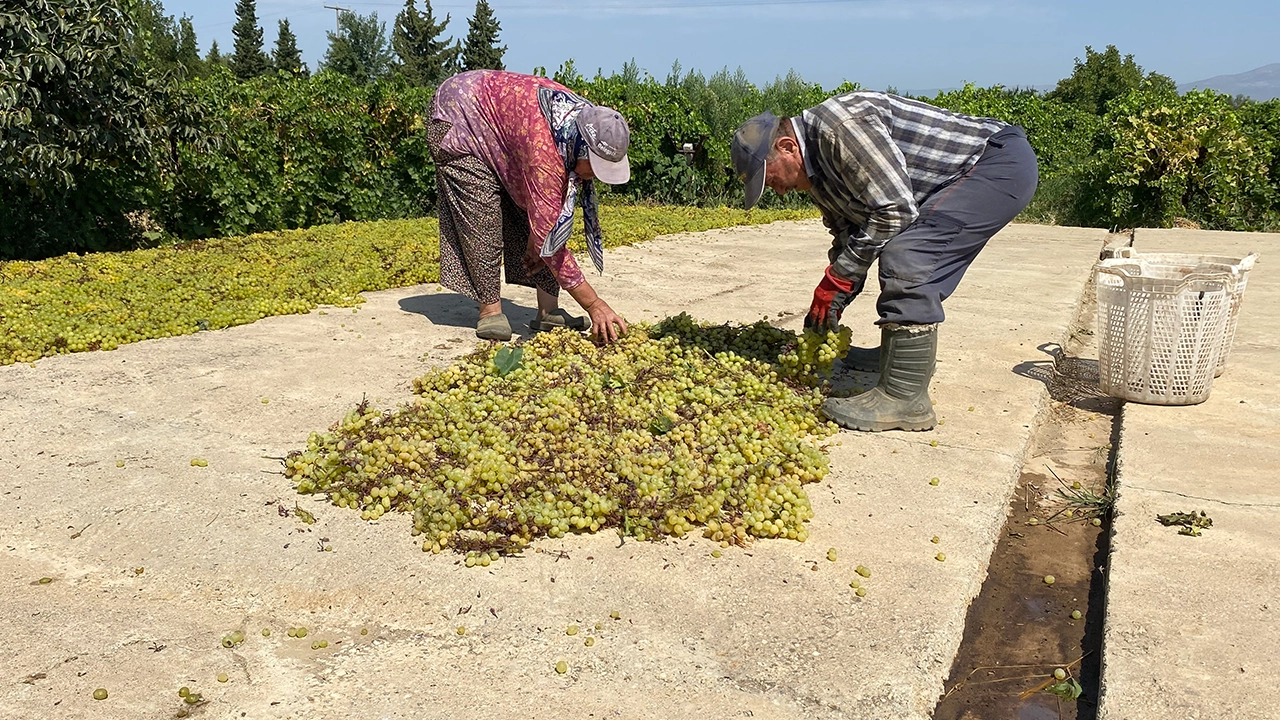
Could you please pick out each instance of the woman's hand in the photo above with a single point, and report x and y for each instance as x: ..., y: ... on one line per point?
x: 532, y: 259
x: 606, y: 325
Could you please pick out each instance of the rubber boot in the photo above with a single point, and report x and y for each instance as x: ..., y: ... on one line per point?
x: 900, y: 401
x: 865, y: 360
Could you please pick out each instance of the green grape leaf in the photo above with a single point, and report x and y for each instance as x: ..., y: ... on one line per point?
x: 1067, y: 689
x: 611, y: 382
x: 507, y: 360
x: 660, y: 425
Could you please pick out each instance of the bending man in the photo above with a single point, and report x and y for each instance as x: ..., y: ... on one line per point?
x: 918, y: 187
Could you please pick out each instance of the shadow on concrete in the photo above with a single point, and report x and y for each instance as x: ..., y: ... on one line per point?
x: 1071, y: 380
x: 456, y: 310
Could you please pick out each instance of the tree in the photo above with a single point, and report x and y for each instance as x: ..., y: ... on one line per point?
x: 249, y: 60
x: 188, y: 54
x: 425, y: 58
x: 286, y: 56
x: 359, y: 48
x: 480, y: 50
x: 215, y: 57
x: 80, y: 126
x: 154, y: 36
x: 1104, y: 76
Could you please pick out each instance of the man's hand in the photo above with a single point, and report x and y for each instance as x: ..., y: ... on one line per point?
x: 830, y: 299
x: 606, y: 325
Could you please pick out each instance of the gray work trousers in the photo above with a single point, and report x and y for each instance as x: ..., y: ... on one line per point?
x: 922, y: 266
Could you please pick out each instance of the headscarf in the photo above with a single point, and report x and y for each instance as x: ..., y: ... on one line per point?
x: 561, y: 110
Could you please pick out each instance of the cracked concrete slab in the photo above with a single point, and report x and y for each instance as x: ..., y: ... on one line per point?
x: 1193, y: 623
x: 771, y: 631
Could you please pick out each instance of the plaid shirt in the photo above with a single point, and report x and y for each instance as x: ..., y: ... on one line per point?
x: 873, y: 159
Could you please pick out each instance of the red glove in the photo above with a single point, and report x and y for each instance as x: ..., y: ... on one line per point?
x: 830, y: 299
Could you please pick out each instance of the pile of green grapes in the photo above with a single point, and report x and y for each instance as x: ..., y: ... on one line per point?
x: 674, y: 427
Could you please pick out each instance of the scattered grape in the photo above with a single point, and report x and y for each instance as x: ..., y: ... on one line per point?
x: 589, y: 641
x: 462, y: 630
x: 1076, y: 485
x: 46, y: 580
x: 266, y: 400
x: 364, y: 631
x: 562, y: 667
x: 266, y: 632
x: 933, y: 443
x: 1068, y: 513
x: 716, y: 553
x: 199, y: 462
x: 192, y: 698
x: 1060, y: 674
x: 831, y: 554
x: 571, y: 630
x: 860, y: 592
x: 1076, y: 615
x: 100, y: 694
x: 184, y: 691
x: 1048, y: 579
x: 119, y: 463
x: 855, y: 583
x: 1096, y: 522
x: 293, y: 632
x: 935, y: 539
x: 301, y: 632
x: 934, y: 481
x: 941, y: 557
x: 222, y: 677
x: 615, y: 615
x: 1033, y: 521
x: 863, y: 570
x: 237, y: 637
x: 139, y: 570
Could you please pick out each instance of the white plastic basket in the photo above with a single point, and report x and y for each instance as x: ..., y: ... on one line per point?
x: 1161, y: 329
x: 1188, y: 263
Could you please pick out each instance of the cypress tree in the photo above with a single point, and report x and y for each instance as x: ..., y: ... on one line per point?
x: 286, y: 56
x: 425, y: 58
x: 249, y: 59
x: 188, y: 52
x: 214, y: 58
x: 480, y: 51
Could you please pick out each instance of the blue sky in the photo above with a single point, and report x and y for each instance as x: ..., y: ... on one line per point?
x: 909, y: 44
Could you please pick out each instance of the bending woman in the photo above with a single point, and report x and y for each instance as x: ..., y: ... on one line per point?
x: 514, y: 155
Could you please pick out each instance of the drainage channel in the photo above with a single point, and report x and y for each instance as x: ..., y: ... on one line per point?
x: 1041, y: 607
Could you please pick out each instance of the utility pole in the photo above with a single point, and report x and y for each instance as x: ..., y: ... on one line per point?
x: 337, y: 14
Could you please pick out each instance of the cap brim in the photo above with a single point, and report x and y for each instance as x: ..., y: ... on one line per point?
x: 610, y: 173
x: 754, y: 188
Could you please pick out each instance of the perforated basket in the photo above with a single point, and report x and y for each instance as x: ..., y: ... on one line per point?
x: 1161, y: 329
x: 1188, y: 263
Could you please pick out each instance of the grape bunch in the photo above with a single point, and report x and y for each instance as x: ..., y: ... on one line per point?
x: 673, y: 429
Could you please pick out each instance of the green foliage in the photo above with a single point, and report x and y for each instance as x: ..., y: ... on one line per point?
x: 1167, y: 157
x: 286, y: 57
x: 1104, y: 76
x: 79, y: 125
x: 480, y: 50
x: 426, y: 58
x: 72, y: 303
x: 359, y: 48
x: 249, y: 60
x: 276, y: 154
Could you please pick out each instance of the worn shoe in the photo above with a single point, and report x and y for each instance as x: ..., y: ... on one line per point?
x: 557, y: 319
x: 900, y: 401
x: 494, y: 327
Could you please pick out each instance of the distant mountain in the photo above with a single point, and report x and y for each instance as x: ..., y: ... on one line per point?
x: 1261, y: 84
